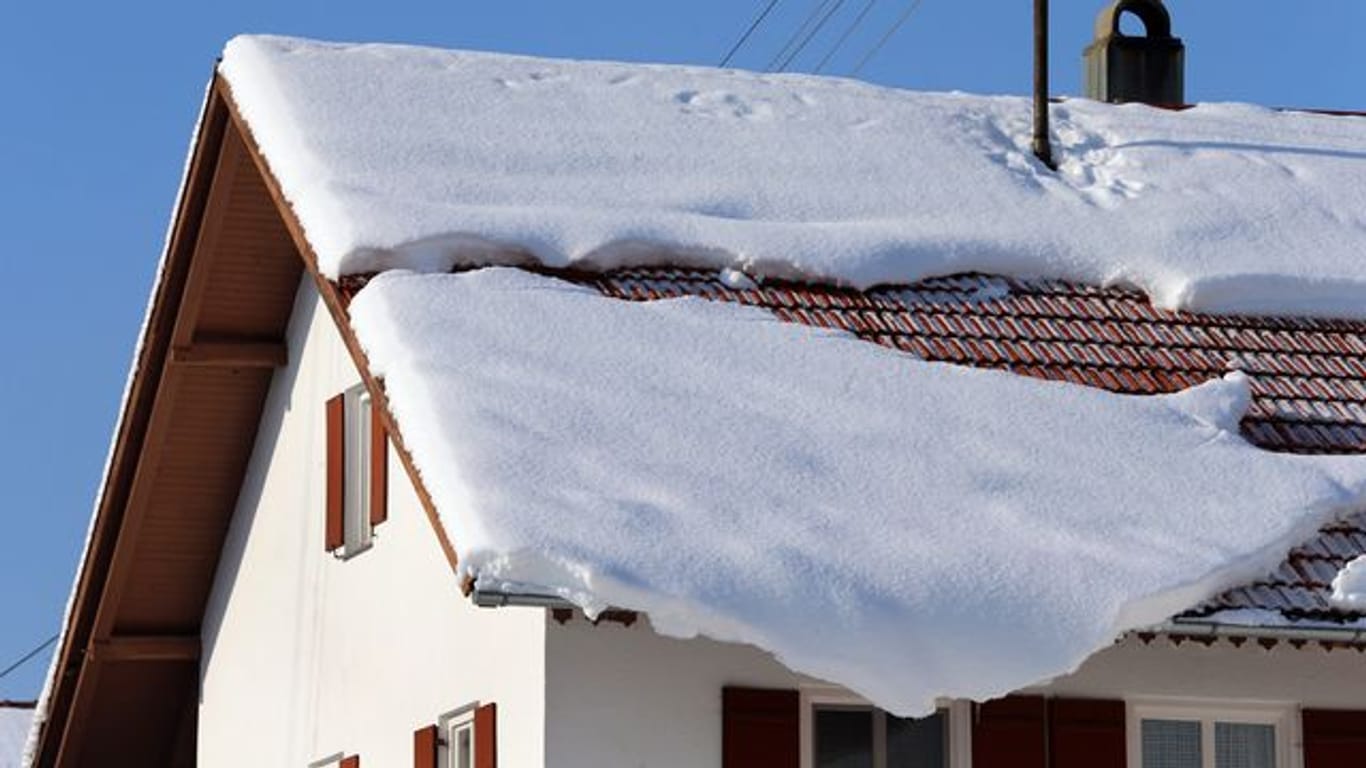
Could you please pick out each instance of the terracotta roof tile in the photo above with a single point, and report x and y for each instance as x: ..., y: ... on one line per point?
x: 1308, y: 376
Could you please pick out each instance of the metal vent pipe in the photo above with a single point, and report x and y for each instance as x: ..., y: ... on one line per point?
x: 1043, y: 145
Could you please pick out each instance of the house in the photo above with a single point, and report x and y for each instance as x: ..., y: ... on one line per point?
x: 15, y: 717
x: 494, y: 410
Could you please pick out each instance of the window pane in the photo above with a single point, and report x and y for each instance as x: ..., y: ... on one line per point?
x: 1171, y: 744
x: 464, y: 749
x: 844, y: 738
x: 916, y: 743
x: 1244, y: 745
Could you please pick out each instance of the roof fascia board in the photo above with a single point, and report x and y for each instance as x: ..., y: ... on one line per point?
x: 72, y: 671
x: 336, y: 307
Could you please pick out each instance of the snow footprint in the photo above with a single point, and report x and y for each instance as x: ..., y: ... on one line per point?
x: 723, y: 104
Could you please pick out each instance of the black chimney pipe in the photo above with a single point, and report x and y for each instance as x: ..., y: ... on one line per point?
x: 1043, y: 147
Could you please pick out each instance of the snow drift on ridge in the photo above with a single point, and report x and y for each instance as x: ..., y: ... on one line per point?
x: 404, y: 157
x: 907, y: 529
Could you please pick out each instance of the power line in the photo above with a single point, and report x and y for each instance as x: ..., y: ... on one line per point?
x: 755, y: 25
x: 844, y: 38
x: 29, y: 655
x: 909, y: 12
x: 812, y: 34
x: 791, y: 41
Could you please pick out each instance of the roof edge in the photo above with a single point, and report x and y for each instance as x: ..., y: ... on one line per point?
x: 336, y: 301
x: 48, y: 738
x: 1215, y: 629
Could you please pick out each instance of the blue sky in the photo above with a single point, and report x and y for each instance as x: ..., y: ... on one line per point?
x: 99, y: 101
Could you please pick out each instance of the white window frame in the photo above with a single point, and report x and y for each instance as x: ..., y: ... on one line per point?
x: 1282, y: 716
x: 449, y: 727
x: 811, y: 697
x: 357, y: 533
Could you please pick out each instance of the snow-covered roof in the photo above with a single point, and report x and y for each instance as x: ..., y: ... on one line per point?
x: 1307, y: 377
x: 14, y: 725
x: 905, y: 528
x: 908, y: 529
x: 396, y: 156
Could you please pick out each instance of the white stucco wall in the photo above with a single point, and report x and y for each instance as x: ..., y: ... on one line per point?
x: 306, y: 655
x: 1310, y: 677
x: 626, y: 697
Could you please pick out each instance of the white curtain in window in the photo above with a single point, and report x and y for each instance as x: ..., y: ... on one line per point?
x: 1171, y: 744
x: 1244, y: 745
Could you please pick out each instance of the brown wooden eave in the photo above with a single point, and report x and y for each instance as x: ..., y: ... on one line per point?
x: 126, y: 686
x: 127, y: 677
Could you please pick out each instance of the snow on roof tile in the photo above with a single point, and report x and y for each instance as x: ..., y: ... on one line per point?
x: 522, y: 397
x: 727, y: 471
x: 404, y: 157
x: 1108, y: 338
x: 1308, y: 376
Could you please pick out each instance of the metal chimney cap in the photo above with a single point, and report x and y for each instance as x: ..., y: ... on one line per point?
x: 1153, y: 13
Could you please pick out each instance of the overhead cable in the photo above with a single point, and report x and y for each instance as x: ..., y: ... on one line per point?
x: 798, y: 35
x: 812, y: 34
x: 905, y: 16
x: 753, y: 26
x: 29, y: 655
x: 844, y: 38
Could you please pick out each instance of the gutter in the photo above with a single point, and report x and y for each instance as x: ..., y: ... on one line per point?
x: 1196, y: 628
x: 492, y: 598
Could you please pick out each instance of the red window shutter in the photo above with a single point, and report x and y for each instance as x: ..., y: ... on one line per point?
x: 1334, y: 738
x: 486, y: 736
x: 336, y: 472
x: 760, y: 728
x: 425, y: 747
x: 350, y: 762
x: 379, y: 467
x: 1086, y: 733
x: 1010, y: 733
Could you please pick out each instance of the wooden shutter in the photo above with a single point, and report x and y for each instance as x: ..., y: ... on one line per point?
x: 425, y: 742
x: 350, y: 762
x: 1334, y: 738
x: 486, y: 736
x: 379, y: 467
x: 1010, y: 733
x: 334, y: 532
x: 760, y: 728
x: 1086, y: 733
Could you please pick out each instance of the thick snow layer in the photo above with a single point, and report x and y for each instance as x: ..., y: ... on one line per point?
x: 1349, y: 587
x: 418, y: 158
x: 14, y: 725
x: 907, y: 529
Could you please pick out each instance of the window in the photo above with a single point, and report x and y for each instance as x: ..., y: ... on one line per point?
x: 841, y: 731
x: 457, y: 738
x: 356, y: 531
x: 1188, y: 735
x: 357, y: 474
x: 461, y: 738
x: 860, y: 737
